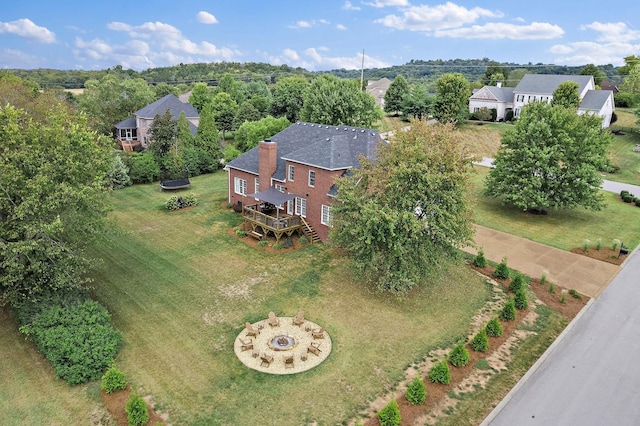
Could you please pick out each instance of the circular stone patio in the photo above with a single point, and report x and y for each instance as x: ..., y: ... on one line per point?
x: 265, y: 345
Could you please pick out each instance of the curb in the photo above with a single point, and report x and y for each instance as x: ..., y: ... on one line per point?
x: 494, y: 413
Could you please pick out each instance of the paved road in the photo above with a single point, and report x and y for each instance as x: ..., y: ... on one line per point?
x: 607, y: 185
x: 590, y: 375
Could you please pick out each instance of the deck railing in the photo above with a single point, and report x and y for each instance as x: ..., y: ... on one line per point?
x: 280, y: 222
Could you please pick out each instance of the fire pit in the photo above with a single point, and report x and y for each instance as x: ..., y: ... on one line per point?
x: 282, y: 343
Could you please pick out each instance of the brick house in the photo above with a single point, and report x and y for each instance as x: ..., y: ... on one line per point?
x: 286, y: 183
x: 134, y: 131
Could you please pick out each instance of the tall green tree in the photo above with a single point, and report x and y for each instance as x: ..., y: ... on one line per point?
x: 399, y: 215
x: 597, y: 74
x: 235, y: 88
x: 288, y: 97
x: 398, y: 89
x: 495, y: 73
x: 630, y: 62
x: 452, y: 98
x: 251, y: 132
x: 111, y: 99
x: 200, y: 96
x: 53, y: 180
x: 550, y: 160
x: 207, y: 136
x: 418, y: 103
x: 334, y: 101
x: 246, y: 112
x: 224, y: 111
x: 566, y: 95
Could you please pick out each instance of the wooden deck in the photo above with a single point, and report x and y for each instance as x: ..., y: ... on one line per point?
x: 271, y: 223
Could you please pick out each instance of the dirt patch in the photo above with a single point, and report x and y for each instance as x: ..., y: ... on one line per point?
x: 116, y: 402
x: 606, y: 254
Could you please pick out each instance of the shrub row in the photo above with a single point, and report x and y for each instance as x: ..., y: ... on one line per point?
x: 629, y: 198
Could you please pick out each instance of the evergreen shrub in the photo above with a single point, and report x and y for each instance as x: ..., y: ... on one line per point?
x: 417, y: 391
x: 440, y: 373
x: 459, y: 355
x: 390, y: 414
x: 494, y: 328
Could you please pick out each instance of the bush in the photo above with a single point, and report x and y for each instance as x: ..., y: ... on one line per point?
x: 480, y: 342
x: 136, y: 408
x: 508, y: 312
x: 459, y: 355
x: 574, y: 293
x: 113, y: 380
x: 629, y: 198
x: 263, y: 243
x: 390, y: 414
x: 624, y: 192
x: 78, y: 340
x: 417, y: 391
x: 563, y: 298
x: 144, y: 168
x: 241, y: 233
x: 520, y: 301
x: 637, y: 202
x: 440, y: 373
x: 177, y: 202
x: 516, y: 283
x: 502, y: 270
x: 494, y: 328
x: 552, y: 288
x: 303, y: 240
x: 480, y: 261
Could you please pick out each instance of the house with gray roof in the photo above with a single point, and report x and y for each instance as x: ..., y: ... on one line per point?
x: 377, y: 89
x: 134, y: 131
x: 540, y: 88
x: 301, y: 162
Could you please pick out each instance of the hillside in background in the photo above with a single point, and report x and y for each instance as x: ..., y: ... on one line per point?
x: 414, y: 71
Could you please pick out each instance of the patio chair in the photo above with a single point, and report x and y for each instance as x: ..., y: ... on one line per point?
x: 246, y: 344
x: 288, y: 361
x: 299, y: 319
x: 273, y: 320
x: 266, y: 360
x: 318, y: 333
x: 314, y: 348
x: 251, y: 331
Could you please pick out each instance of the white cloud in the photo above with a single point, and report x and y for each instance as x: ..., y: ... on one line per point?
x: 613, y: 32
x: 11, y: 58
x: 533, y: 31
x: 309, y: 24
x: 588, y: 52
x: 385, y: 3
x: 314, y: 59
x: 349, y: 6
x: 445, y: 16
x: 206, y: 18
x: 152, y: 44
x: 25, y: 28
x: 341, y: 27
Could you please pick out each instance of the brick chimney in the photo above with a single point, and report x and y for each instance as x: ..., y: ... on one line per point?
x: 267, y: 162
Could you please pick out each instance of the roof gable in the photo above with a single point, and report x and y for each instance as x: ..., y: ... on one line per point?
x: 595, y: 100
x: 494, y: 93
x: 169, y: 102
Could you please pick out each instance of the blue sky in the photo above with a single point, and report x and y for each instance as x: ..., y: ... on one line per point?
x: 316, y: 35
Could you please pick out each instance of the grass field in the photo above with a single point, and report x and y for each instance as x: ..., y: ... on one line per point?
x: 180, y: 289
x: 621, y: 152
x: 564, y: 229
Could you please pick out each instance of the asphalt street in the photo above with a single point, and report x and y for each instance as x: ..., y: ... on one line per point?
x: 591, y: 374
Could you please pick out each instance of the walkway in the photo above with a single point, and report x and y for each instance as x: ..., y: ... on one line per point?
x: 589, y: 276
x: 590, y: 374
x: 607, y: 185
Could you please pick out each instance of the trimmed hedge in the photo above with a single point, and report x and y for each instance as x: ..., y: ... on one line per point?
x: 417, y: 391
x: 440, y: 373
x: 390, y: 414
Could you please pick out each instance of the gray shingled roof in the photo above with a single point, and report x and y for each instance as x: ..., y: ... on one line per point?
x: 129, y: 123
x: 546, y: 84
x: 594, y: 100
x: 502, y: 94
x: 317, y: 145
x: 171, y: 103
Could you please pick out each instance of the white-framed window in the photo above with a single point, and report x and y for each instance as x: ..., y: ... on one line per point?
x: 290, y: 207
x: 291, y: 172
x: 327, y: 218
x: 279, y: 187
x: 256, y: 185
x: 312, y: 178
x: 240, y: 186
x: 301, y: 206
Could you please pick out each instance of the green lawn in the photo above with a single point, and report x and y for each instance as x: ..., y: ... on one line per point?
x: 564, y: 229
x: 621, y: 152
x: 180, y: 288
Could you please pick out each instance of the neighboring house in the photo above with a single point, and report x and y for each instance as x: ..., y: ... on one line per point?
x: 540, y: 88
x: 377, y: 89
x: 606, y: 85
x: 294, y: 173
x: 134, y: 131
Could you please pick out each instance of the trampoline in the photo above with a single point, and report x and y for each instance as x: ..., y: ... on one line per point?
x: 175, y: 184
